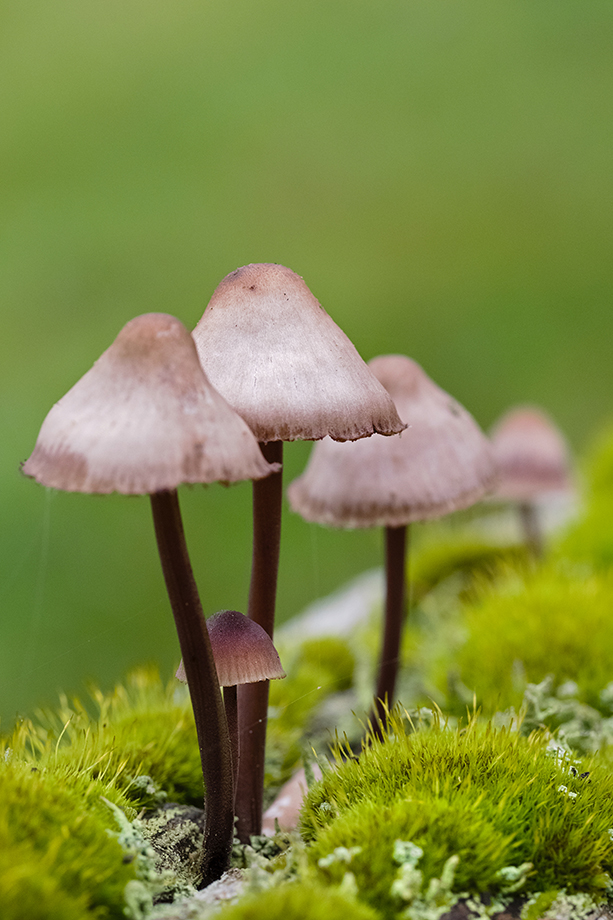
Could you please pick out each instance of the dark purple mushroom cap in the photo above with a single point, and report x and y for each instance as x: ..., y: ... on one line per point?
x: 441, y: 463
x: 531, y: 454
x: 274, y: 353
x: 244, y: 652
x: 144, y: 419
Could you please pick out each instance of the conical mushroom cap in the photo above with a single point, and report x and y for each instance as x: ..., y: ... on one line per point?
x: 144, y: 419
x: 441, y: 463
x: 284, y: 364
x: 244, y: 652
x: 531, y: 454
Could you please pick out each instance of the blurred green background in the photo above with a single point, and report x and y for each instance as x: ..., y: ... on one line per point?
x: 438, y: 172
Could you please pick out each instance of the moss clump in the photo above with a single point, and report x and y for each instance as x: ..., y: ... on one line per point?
x: 141, y: 740
x: 440, y: 825
x: 552, y: 621
x: 299, y: 901
x: 491, y: 797
x: 57, y: 859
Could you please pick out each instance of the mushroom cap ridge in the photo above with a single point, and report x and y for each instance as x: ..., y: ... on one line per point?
x: 144, y: 419
x: 283, y: 363
x: 441, y: 463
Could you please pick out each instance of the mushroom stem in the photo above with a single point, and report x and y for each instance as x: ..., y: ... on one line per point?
x: 253, y: 698
x: 533, y: 535
x: 231, y: 706
x: 209, y: 713
x: 395, y: 601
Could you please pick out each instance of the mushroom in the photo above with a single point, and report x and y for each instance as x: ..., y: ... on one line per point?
x: 533, y: 461
x: 143, y: 420
x: 244, y: 654
x: 442, y: 463
x: 274, y: 353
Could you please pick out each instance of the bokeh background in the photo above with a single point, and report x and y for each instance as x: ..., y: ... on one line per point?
x: 439, y: 172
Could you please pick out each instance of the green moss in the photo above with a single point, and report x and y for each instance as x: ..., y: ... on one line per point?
x: 552, y: 621
x: 141, y: 729
x: 439, y: 826
x: 492, y: 797
x: 57, y: 859
x: 298, y: 901
x: 315, y: 670
x: 590, y: 538
x: 465, y: 555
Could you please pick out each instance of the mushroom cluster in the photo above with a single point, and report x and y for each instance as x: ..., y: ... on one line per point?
x: 264, y: 365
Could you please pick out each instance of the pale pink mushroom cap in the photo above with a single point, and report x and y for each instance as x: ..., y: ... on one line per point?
x: 244, y: 652
x: 441, y: 463
x: 144, y: 419
x: 284, y: 365
x: 531, y: 454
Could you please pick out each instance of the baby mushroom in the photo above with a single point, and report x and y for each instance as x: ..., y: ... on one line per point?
x: 285, y: 366
x: 244, y: 654
x: 143, y: 420
x: 533, y: 461
x: 442, y: 463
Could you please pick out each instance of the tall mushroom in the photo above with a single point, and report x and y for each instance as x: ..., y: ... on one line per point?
x: 533, y: 461
x: 442, y: 463
x: 269, y: 347
x: 143, y: 420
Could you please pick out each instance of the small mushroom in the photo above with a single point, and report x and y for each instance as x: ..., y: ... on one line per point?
x: 143, y: 420
x: 533, y: 462
x: 244, y: 654
x: 441, y: 463
x: 280, y: 360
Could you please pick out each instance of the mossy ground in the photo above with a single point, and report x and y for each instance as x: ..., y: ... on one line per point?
x: 433, y: 811
x: 489, y: 796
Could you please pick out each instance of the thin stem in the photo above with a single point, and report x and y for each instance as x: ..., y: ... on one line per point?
x: 395, y: 580
x: 209, y: 713
x: 531, y: 526
x: 231, y: 705
x: 253, y: 698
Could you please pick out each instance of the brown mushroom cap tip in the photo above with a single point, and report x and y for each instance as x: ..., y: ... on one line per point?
x: 243, y: 651
x: 144, y: 419
x: 283, y: 363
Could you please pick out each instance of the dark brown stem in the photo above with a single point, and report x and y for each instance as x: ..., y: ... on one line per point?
x: 209, y: 713
x: 253, y: 698
x: 395, y: 601
x: 231, y: 704
x: 533, y: 535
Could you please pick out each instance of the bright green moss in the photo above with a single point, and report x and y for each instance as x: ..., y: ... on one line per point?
x: 441, y: 826
x: 299, y: 901
x: 552, y: 621
x: 492, y: 797
x: 141, y: 729
x: 57, y: 859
